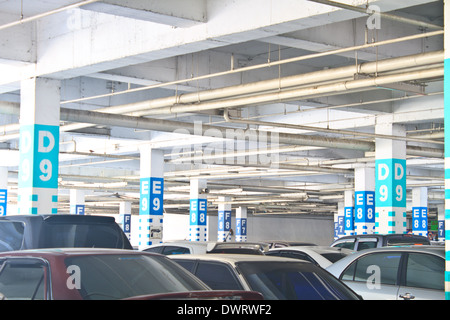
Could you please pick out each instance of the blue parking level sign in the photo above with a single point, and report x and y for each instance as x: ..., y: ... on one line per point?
x: 3, y: 201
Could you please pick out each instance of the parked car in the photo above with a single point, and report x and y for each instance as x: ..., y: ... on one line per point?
x: 178, y: 247
x: 94, y: 274
x: 368, y: 241
x: 414, y: 272
x: 192, y: 247
x: 20, y: 232
x: 319, y: 255
x: 281, y: 243
x: 275, y: 278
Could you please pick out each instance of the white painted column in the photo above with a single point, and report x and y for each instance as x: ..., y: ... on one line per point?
x: 39, y: 146
x: 224, y: 220
x: 151, y: 212
x: 125, y: 218
x: 241, y: 224
x: 77, y: 205
x: 390, y: 180
x: 198, y: 227
x: 3, y: 190
x: 364, y: 200
x: 420, y: 211
x: 349, y: 217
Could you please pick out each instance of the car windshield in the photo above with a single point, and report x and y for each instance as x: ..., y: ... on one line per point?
x: 334, y: 256
x: 124, y: 276
x: 68, y: 235
x: 293, y: 281
x: 11, y: 235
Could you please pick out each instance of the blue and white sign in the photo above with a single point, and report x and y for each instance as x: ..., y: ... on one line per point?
x: 390, y: 181
x: 364, y: 207
x: 151, y: 196
x: 3, y: 201
x: 348, y: 220
x: 126, y: 223
x: 224, y: 221
x: 198, y: 211
x: 39, y: 151
x: 241, y: 227
x: 420, y: 220
x: 340, y: 226
x: 441, y: 229
x: 77, y: 209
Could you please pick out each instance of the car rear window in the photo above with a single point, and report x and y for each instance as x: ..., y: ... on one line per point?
x: 11, y: 235
x: 407, y: 240
x: 68, y: 235
x: 293, y: 281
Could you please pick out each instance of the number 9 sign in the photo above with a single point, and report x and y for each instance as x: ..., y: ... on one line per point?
x: 39, y: 149
x: 390, y: 183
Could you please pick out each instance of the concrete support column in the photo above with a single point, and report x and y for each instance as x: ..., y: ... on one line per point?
x: 39, y: 146
x: 349, y: 217
x: 151, y: 196
x: 390, y: 180
x: 198, y: 227
x: 77, y: 205
x: 241, y: 224
x: 420, y: 211
x: 364, y: 200
x: 3, y: 190
x: 125, y: 218
x: 224, y: 220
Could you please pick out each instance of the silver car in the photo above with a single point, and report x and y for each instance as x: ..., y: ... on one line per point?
x: 394, y: 273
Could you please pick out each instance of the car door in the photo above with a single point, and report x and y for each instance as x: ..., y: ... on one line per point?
x: 374, y: 276
x: 422, y: 277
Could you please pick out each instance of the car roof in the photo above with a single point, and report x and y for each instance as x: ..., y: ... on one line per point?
x: 68, y: 252
x: 232, y: 258
x: 318, y: 249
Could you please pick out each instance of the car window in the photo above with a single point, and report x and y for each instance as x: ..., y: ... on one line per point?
x: 158, y: 249
x: 119, y: 276
x: 362, y: 245
x: 293, y: 281
x: 217, y: 276
x: 381, y: 267
x: 23, y: 279
x: 11, y: 235
x: 425, y: 271
x: 346, y: 244
x: 169, y: 250
x: 292, y: 254
x: 187, y: 264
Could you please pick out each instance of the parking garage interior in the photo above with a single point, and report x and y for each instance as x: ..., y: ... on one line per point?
x: 278, y: 110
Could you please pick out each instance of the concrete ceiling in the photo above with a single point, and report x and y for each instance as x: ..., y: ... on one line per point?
x: 137, y: 54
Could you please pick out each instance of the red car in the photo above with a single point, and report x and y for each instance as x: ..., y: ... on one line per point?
x: 82, y: 273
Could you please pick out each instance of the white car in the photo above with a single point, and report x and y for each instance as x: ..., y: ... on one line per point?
x: 276, y: 278
x: 322, y: 256
x: 192, y: 247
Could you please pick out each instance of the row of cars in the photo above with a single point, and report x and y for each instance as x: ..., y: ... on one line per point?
x: 377, y: 267
x: 31, y: 269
